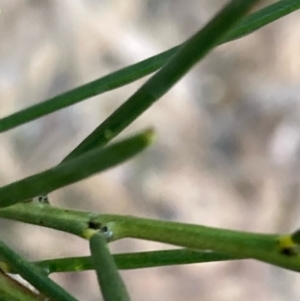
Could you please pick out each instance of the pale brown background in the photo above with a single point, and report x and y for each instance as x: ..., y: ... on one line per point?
x: 228, y: 148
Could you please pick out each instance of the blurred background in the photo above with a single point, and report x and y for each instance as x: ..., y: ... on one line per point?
x: 228, y: 148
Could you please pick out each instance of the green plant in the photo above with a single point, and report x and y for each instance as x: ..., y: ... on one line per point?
x: 201, y: 244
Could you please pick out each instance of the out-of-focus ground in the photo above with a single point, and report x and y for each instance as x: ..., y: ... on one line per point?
x: 228, y: 151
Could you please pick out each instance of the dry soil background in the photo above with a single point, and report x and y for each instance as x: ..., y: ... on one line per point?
x: 228, y: 151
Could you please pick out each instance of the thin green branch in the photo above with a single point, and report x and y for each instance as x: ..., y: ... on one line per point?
x: 191, y: 52
x: 139, y: 260
x: 109, y: 279
x: 264, y: 247
x: 69, y: 172
x: 12, y: 290
x: 261, y: 18
x: 33, y: 275
x: 131, y: 73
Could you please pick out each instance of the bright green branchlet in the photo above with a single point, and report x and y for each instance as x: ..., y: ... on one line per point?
x: 74, y: 170
x: 137, y: 260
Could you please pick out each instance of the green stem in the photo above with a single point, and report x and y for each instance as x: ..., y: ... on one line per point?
x: 33, y: 275
x: 262, y: 17
x: 72, y: 171
x: 109, y: 279
x: 12, y: 290
x: 264, y: 247
x: 131, y: 73
x: 137, y: 260
x: 191, y: 52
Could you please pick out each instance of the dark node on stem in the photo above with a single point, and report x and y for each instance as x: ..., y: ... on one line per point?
x: 288, y: 252
x: 104, y: 229
x: 94, y: 225
x: 42, y: 199
x: 107, y: 232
